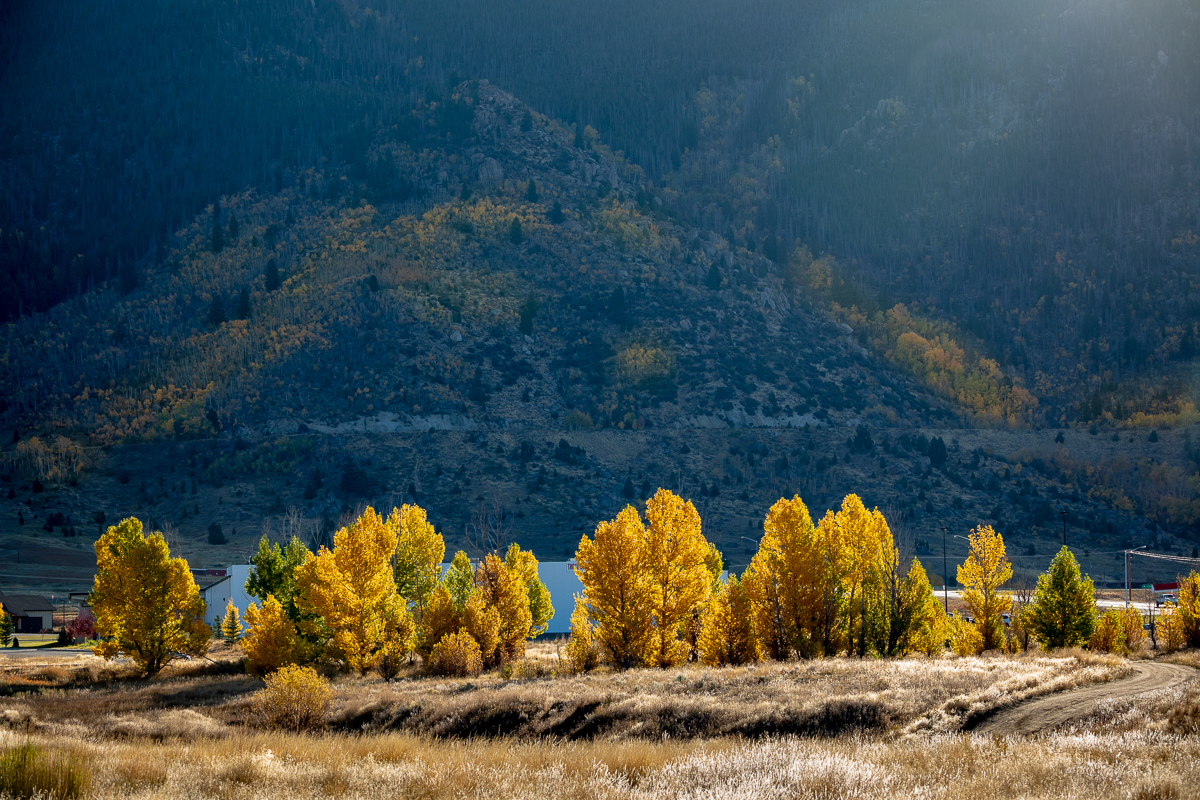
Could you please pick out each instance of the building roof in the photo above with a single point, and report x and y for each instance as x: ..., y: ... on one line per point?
x: 22, y: 605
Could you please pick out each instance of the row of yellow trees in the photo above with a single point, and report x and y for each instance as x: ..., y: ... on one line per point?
x: 372, y: 601
x: 652, y: 595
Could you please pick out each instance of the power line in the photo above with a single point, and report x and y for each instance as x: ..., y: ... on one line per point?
x: 1164, y: 557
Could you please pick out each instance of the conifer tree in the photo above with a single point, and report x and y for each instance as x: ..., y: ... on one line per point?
x: 515, y: 234
x: 556, y: 213
x: 146, y: 603
x: 272, y: 276
x: 531, y: 192
x: 713, y: 281
x: 231, y: 624
x: 913, y: 610
x: 615, y: 587
x: 6, y: 627
x: 217, y: 242
x: 1062, y: 612
x: 981, y: 576
x: 243, y: 305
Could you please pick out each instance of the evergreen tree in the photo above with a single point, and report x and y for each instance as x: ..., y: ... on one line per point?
x: 243, y: 306
x: 515, y: 234
x: 6, y: 628
x: 231, y: 624
x: 234, y: 229
x: 272, y: 276
x: 531, y: 192
x: 556, y: 213
x: 616, y: 306
x: 713, y: 281
x: 1062, y: 612
x: 216, y: 311
x: 937, y: 452
x: 528, y: 312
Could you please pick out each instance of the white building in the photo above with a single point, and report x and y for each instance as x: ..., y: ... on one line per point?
x: 558, y: 576
x: 230, y: 587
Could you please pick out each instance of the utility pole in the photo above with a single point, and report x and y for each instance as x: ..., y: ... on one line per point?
x: 1063, y: 514
x: 945, y: 575
x: 1127, y: 552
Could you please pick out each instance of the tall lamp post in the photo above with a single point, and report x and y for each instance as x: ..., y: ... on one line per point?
x: 945, y: 575
x: 1127, y: 552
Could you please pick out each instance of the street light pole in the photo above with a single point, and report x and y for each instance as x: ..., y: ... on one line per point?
x: 1127, y: 552
x: 945, y: 575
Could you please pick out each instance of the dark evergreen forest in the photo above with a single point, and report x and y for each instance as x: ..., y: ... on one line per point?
x: 1024, y: 170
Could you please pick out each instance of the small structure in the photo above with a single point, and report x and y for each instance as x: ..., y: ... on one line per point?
x: 30, y: 613
x: 218, y: 589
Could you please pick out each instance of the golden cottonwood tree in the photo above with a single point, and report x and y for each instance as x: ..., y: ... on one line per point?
x: 913, y: 611
x: 272, y: 641
x: 676, y: 572
x: 869, y: 551
x: 765, y: 583
x: 353, y: 590
x: 146, y: 604
x: 457, y: 605
x: 615, y: 587
x: 726, y: 627
x: 418, y: 560
x: 541, y: 610
x: 504, y: 590
x: 981, y: 575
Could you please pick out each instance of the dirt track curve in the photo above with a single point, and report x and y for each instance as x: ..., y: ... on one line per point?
x: 1055, y: 709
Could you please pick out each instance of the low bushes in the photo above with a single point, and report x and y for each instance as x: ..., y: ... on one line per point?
x: 294, y: 698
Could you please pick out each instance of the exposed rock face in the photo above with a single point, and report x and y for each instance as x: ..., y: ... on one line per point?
x: 490, y: 171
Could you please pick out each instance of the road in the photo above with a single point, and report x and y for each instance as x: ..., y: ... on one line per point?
x: 1056, y: 709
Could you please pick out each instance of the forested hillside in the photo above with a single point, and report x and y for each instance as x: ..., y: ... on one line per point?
x: 1022, y: 171
x: 761, y: 248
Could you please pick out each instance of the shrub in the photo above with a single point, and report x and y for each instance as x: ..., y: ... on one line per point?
x: 27, y: 771
x: 295, y: 698
x: 965, y: 638
x: 1110, y: 633
x: 583, y: 652
x: 457, y: 654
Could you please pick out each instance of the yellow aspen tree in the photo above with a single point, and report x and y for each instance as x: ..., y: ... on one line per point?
x: 146, y: 603
x: 791, y: 535
x: 764, y: 583
x: 964, y: 637
x: 505, y: 591
x: 1170, y: 630
x: 726, y: 627
x: 913, y: 609
x: 418, y: 560
x: 583, y: 654
x: 1132, y: 632
x: 231, y: 624
x: 353, y: 590
x: 271, y: 641
x: 678, y: 577
x: 981, y: 576
x: 525, y: 565
x: 930, y: 635
x: 865, y: 543
x: 615, y: 587
x: 1109, y: 636
x: 831, y: 569
x: 1189, y: 608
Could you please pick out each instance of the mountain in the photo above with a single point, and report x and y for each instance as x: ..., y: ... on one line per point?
x: 279, y: 259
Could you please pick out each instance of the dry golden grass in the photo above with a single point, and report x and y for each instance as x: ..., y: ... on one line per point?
x: 182, y: 737
x: 1097, y: 765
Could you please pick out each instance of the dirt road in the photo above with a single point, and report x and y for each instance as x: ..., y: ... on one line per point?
x: 1055, y: 709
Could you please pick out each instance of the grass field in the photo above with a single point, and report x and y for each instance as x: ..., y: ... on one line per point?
x: 822, y: 729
